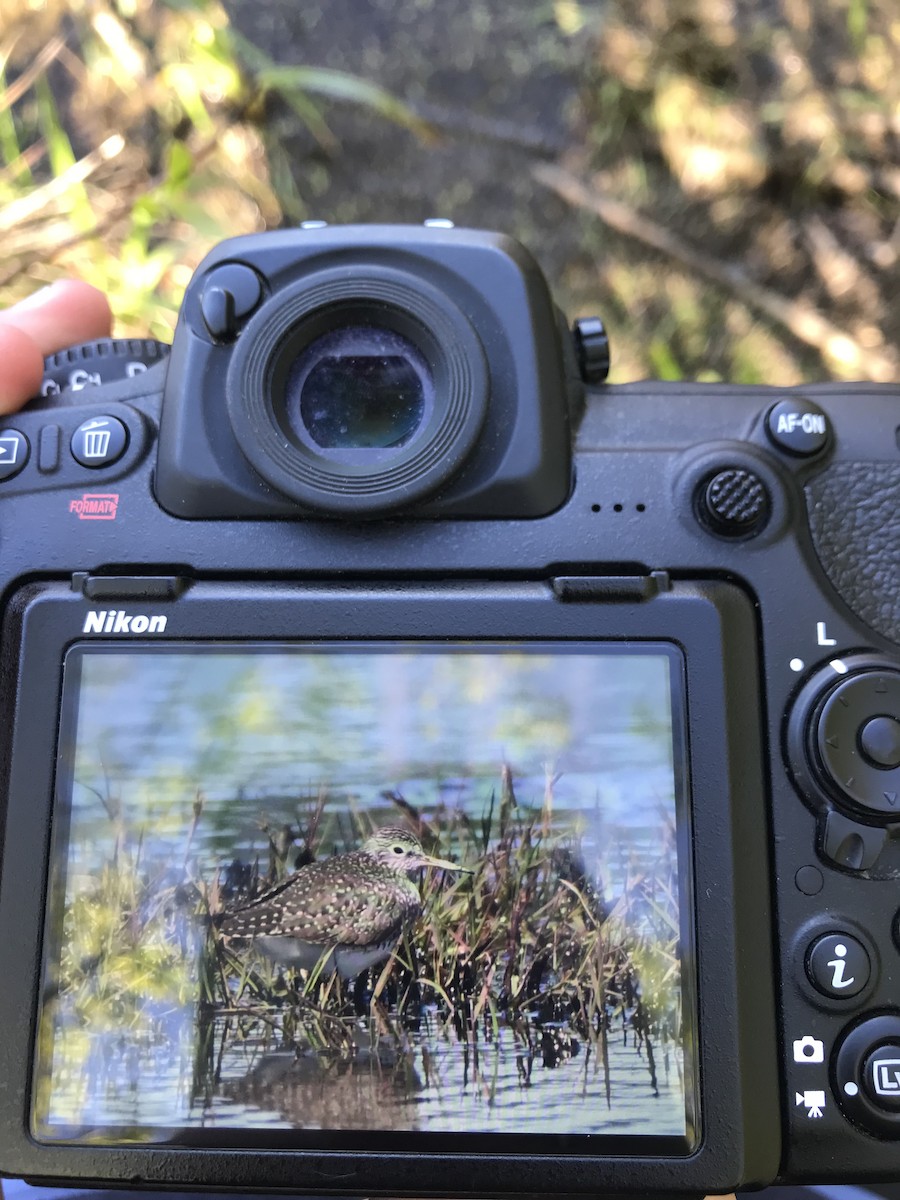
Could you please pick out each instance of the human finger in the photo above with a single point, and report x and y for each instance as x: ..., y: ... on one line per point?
x: 61, y: 315
x: 67, y: 312
x: 21, y: 368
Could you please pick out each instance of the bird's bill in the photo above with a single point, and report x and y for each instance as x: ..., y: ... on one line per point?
x: 444, y: 864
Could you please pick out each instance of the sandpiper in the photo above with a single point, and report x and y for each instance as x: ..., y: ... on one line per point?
x: 345, y: 913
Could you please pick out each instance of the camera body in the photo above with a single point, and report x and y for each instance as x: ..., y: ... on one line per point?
x: 376, y: 494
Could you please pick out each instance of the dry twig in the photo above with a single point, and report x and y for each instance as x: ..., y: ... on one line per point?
x: 805, y: 322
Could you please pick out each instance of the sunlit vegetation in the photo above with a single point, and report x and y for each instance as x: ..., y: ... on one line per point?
x: 130, y: 144
x: 751, y: 150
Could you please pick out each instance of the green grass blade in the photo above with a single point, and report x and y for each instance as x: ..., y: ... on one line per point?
x: 297, y: 83
x: 61, y: 155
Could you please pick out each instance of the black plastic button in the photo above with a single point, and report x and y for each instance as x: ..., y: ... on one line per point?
x: 881, y: 1077
x: 230, y: 293
x: 865, y: 1072
x: 14, y: 450
x: 734, y: 503
x: 879, y: 740
x: 838, y: 966
x: 99, y: 441
x: 798, y: 426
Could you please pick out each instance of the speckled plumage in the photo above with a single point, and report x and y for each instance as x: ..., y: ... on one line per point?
x: 346, y: 912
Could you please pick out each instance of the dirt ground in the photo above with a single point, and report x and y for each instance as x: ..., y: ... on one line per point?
x: 720, y: 183
x: 718, y: 179
x: 501, y: 83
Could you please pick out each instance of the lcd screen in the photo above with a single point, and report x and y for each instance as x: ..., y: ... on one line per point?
x: 334, y: 895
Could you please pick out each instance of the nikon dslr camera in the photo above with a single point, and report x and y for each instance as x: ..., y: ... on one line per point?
x: 430, y: 771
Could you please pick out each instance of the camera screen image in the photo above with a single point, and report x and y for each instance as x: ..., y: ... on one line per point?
x: 333, y: 895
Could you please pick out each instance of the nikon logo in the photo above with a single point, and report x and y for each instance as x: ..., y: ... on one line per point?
x: 115, y: 621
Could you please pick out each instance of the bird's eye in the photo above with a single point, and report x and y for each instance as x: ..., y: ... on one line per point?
x: 399, y: 849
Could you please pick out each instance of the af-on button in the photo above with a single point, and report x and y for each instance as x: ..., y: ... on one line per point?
x: 798, y: 426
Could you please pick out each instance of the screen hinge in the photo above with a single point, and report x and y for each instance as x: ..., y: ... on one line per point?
x: 611, y: 587
x: 129, y: 587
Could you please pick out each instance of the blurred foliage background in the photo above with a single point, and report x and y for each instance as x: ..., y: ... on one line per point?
x: 719, y: 181
x: 127, y: 150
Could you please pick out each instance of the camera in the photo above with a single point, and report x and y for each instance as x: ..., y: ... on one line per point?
x: 430, y: 770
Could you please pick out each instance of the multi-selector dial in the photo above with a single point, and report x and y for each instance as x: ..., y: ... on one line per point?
x: 844, y: 739
x: 854, y: 738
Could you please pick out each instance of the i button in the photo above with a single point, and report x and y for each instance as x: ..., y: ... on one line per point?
x: 838, y: 966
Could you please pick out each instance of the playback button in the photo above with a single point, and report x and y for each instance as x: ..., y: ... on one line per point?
x: 14, y: 450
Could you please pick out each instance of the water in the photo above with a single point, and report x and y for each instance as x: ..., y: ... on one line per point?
x: 436, y: 1084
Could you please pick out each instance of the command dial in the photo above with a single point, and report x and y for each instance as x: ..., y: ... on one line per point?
x: 91, y: 364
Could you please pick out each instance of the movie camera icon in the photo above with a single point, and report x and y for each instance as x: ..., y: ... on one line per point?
x: 814, y: 1102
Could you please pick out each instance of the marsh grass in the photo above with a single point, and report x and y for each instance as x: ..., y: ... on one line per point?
x: 527, y: 947
x: 525, y: 944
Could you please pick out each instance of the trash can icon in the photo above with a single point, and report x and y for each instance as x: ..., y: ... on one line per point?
x: 96, y: 443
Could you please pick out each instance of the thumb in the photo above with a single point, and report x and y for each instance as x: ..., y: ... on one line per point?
x: 61, y: 315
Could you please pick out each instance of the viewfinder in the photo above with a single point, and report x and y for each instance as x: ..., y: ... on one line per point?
x: 360, y: 389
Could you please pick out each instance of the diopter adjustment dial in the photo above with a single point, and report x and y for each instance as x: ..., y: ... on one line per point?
x: 844, y: 736
x: 591, y: 349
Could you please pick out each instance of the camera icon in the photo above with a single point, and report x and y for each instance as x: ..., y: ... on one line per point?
x: 809, y: 1049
